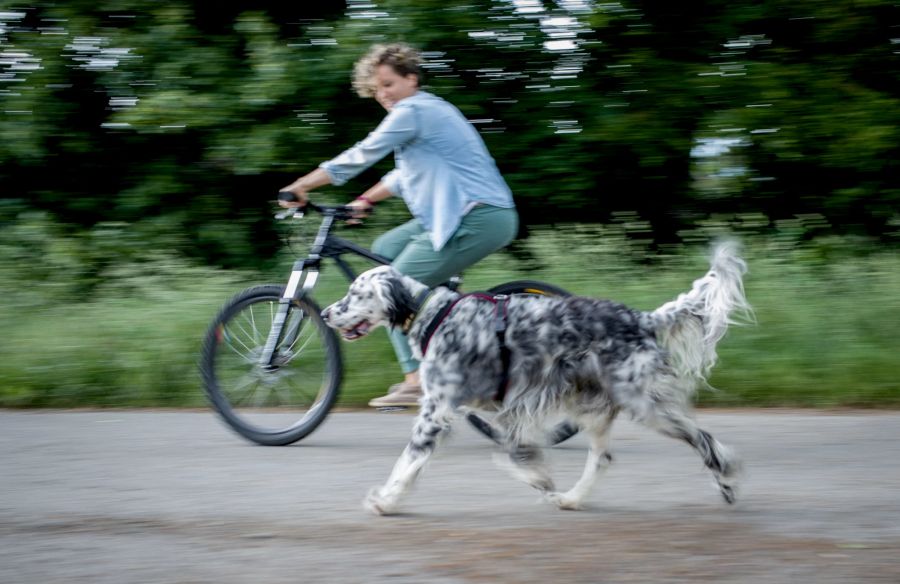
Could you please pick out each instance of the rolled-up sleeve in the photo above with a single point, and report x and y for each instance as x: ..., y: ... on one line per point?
x: 392, y: 182
x: 396, y: 129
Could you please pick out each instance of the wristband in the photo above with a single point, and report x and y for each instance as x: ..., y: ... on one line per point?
x: 366, y: 199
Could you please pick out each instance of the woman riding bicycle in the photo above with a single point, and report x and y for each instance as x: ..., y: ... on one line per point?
x: 462, y: 208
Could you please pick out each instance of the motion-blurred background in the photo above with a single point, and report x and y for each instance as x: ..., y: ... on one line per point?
x: 141, y: 145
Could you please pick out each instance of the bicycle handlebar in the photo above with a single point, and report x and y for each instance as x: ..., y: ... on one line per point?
x: 341, y: 212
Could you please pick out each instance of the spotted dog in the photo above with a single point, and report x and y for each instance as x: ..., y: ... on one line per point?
x: 581, y: 358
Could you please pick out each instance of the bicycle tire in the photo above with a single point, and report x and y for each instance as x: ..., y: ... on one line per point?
x: 529, y: 287
x: 282, y: 403
x: 564, y: 430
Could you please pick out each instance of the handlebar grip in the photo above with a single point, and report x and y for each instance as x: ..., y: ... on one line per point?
x: 288, y: 197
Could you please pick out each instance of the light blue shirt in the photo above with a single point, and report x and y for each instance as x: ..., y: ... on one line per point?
x: 443, y: 167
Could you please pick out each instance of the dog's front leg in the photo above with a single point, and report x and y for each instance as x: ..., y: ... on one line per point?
x: 598, y: 461
x: 426, y: 431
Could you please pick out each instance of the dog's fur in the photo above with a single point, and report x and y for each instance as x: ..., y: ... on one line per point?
x: 580, y: 357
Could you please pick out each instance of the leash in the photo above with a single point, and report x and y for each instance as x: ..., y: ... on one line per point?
x: 501, y: 313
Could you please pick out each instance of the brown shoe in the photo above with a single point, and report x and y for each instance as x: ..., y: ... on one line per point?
x: 399, y: 395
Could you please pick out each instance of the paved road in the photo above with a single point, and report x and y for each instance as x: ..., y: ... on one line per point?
x: 130, y: 497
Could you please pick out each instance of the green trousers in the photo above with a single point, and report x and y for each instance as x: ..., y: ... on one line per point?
x: 483, y: 230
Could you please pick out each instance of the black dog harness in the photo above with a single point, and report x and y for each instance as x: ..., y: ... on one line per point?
x: 501, y: 309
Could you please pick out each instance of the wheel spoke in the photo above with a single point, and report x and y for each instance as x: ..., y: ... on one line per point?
x: 246, y: 357
x: 252, y: 311
x: 294, y: 327
x: 247, y: 381
x: 252, y: 337
x: 310, y: 394
x: 294, y: 352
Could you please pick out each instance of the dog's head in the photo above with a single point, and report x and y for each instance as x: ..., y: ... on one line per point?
x: 380, y: 296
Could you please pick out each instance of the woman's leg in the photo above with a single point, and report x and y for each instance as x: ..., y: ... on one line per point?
x: 483, y: 231
x: 391, y: 243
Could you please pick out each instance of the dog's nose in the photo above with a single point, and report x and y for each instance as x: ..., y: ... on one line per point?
x: 326, y: 313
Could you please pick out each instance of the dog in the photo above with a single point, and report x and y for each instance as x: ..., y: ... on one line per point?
x: 583, y: 358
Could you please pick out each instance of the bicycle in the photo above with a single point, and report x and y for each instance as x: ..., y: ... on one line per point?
x: 271, y: 367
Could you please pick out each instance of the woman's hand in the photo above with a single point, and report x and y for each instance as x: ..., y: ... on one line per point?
x: 364, y: 203
x: 299, y: 191
x: 361, y: 209
x: 303, y: 185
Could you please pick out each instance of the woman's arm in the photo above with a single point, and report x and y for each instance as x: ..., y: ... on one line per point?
x: 364, y: 203
x: 397, y: 129
x: 375, y: 194
x: 304, y: 184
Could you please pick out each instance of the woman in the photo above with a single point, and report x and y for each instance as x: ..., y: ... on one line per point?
x: 462, y: 208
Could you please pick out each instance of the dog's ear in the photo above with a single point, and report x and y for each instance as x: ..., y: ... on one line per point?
x: 399, y: 303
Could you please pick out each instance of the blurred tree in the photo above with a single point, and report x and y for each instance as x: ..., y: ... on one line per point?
x: 808, y: 89
x: 184, y: 117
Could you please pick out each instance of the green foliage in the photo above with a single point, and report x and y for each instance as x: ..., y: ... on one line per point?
x: 137, y: 137
x: 199, y: 112
x: 124, y: 328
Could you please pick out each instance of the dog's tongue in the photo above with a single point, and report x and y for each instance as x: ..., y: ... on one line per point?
x: 359, y: 330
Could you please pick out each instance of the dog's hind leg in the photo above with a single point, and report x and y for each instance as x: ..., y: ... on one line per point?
x: 485, y: 426
x: 720, y: 459
x: 598, y: 461
x: 522, y: 458
x: 525, y: 462
x: 432, y: 421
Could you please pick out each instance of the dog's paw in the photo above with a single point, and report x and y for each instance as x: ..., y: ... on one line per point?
x: 377, y: 504
x: 534, y: 477
x: 728, y: 489
x: 563, y: 502
x: 727, y: 481
x: 728, y: 492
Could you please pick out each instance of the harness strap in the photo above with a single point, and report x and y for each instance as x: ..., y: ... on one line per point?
x: 501, y: 303
x: 419, y: 302
x: 435, y: 323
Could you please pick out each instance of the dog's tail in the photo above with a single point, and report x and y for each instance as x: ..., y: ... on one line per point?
x: 690, y: 326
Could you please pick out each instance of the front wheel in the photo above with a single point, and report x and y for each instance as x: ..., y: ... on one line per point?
x: 564, y: 430
x: 278, y: 402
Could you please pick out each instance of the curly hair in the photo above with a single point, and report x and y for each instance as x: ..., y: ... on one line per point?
x: 402, y: 58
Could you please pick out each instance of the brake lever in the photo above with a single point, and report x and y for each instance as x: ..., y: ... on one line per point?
x: 295, y: 212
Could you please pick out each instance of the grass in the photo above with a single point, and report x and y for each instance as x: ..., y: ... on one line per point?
x: 827, y: 313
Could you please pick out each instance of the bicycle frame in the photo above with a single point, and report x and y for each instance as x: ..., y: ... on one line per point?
x: 306, y: 270
x: 325, y: 246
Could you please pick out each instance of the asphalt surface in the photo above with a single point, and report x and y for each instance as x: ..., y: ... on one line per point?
x: 163, y: 497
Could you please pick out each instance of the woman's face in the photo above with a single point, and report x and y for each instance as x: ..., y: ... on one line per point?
x: 390, y: 87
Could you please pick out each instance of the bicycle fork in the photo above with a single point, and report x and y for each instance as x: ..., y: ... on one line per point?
x: 309, y: 268
x: 308, y: 275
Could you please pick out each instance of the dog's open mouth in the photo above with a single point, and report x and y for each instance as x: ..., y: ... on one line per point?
x: 360, y: 329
